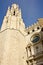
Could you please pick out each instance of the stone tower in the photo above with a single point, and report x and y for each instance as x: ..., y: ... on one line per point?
x: 12, y: 38
x: 20, y: 45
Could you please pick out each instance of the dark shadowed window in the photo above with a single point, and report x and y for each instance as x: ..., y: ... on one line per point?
x: 42, y: 29
x: 14, y: 13
x: 33, y: 30
x: 28, y: 32
x: 38, y: 28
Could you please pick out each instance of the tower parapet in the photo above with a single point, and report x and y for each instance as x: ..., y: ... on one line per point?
x: 35, y: 27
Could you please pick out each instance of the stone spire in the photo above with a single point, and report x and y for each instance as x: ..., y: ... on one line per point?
x: 13, y: 18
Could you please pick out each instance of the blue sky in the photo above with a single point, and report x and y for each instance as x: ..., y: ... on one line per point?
x: 31, y: 10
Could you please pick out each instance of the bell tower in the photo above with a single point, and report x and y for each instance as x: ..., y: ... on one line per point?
x: 13, y: 19
x: 12, y: 41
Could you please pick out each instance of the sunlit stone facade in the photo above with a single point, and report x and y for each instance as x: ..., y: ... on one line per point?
x: 20, y: 45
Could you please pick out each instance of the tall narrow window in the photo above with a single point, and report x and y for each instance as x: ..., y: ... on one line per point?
x: 14, y: 13
x: 29, y: 51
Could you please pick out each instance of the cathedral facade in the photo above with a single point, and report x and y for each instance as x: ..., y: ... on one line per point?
x: 20, y: 45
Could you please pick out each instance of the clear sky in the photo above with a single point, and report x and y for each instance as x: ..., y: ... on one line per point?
x: 31, y: 9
